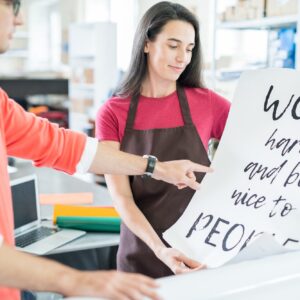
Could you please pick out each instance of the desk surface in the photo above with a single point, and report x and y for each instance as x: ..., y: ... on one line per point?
x: 52, y: 181
x: 274, y: 277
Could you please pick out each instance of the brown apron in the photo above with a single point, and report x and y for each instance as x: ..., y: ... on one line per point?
x: 161, y: 203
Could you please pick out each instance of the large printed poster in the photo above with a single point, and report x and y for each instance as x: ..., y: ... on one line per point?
x: 255, y: 186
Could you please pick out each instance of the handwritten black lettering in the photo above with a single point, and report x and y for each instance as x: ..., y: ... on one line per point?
x: 225, y: 240
x: 290, y: 240
x: 275, y: 105
x: 258, y: 169
x: 248, y: 199
x: 230, y: 235
x: 287, y: 207
x: 214, y: 231
x: 286, y: 144
x: 195, y: 225
x: 293, y: 176
x: 294, y: 109
x: 251, y: 236
x: 276, y: 201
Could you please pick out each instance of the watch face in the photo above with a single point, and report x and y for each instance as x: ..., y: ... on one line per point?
x: 151, y: 161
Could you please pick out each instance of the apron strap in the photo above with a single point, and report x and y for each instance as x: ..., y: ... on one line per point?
x: 184, y: 105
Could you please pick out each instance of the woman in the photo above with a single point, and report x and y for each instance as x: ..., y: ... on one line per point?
x: 162, y: 109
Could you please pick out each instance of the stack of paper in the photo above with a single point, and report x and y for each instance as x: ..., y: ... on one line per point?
x: 66, y: 198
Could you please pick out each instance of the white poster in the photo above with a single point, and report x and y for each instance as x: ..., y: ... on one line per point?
x: 255, y: 186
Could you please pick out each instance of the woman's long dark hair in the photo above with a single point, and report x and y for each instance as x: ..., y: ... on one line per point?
x: 149, y: 27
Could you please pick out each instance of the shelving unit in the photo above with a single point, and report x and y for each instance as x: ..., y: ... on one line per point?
x: 93, y: 61
x: 263, y: 24
x: 15, y: 61
x: 17, y: 57
x: 16, y: 53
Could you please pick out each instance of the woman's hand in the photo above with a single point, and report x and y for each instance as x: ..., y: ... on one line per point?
x: 177, y: 261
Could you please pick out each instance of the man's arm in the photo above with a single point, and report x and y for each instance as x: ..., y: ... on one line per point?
x: 111, y: 161
x: 24, y: 271
x: 62, y: 149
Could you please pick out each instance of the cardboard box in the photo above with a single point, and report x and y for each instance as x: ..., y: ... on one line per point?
x: 82, y: 75
x: 244, y: 10
x: 81, y: 105
x: 281, y: 7
x: 89, y: 75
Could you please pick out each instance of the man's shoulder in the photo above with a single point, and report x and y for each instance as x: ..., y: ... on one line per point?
x: 3, y: 94
x: 3, y: 99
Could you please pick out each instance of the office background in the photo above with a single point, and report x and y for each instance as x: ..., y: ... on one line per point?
x: 69, y: 55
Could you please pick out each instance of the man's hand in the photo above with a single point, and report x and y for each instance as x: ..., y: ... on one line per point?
x: 113, y: 285
x: 177, y: 261
x: 179, y: 173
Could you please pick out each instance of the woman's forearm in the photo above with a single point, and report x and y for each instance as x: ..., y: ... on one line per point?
x: 119, y: 188
x: 138, y: 224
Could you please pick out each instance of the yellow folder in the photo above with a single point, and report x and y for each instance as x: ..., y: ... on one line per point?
x: 83, y: 211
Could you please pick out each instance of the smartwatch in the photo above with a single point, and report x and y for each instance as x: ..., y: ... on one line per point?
x: 151, y: 162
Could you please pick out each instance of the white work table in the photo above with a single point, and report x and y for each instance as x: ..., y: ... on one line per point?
x: 273, y: 277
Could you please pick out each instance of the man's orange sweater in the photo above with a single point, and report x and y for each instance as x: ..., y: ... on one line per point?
x: 26, y: 136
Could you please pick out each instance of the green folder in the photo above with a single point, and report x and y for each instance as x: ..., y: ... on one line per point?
x: 100, y: 224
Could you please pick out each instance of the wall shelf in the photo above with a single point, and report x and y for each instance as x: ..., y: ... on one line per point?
x: 82, y: 86
x: 16, y: 53
x: 261, y: 24
x: 237, y: 60
x: 93, y: 62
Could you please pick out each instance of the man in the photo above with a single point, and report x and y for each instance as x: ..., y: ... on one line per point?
x: 24, y: 135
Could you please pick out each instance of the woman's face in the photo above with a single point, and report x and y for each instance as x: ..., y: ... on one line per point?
x: 171, y: 51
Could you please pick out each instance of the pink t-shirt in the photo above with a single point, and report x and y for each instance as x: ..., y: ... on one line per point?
x: 209, y: 113
x: 24, y: 135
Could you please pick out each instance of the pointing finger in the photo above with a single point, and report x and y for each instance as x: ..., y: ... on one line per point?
x: 200, y: 168
x: 191, y: 175
x: 193, y: 184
